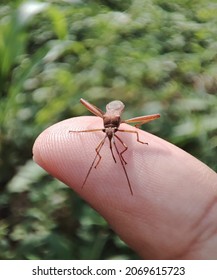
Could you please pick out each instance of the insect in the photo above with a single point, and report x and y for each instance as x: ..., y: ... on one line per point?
x: 112, y: 121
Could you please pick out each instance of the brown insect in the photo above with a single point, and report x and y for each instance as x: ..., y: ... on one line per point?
x: 111, y: 121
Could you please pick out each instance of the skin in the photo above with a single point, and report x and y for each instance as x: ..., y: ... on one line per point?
x: 172, y: 213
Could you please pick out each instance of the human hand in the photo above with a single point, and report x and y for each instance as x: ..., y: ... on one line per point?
x: 172, y: 214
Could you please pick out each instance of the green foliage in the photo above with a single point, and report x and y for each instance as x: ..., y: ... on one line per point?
x: 155, y: 56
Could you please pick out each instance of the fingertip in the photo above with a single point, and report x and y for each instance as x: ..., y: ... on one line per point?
x: 167, y: 184
x: 56, y: 150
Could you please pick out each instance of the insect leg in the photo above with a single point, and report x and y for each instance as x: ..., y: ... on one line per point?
x: 87, y: 130
x: 125, y: 148
x: 133, y: 131
x: 98, y: 148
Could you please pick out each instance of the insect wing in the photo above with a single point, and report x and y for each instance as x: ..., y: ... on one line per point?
x: 143, y: 119
x: 114, y: 108
x: 93, y: 109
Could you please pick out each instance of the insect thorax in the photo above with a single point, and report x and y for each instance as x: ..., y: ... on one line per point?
x: 111, y: 121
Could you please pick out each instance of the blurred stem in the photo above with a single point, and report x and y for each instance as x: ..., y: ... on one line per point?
x: 98, y: 245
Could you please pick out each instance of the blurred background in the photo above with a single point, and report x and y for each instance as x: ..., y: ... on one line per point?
x: 156, y: 56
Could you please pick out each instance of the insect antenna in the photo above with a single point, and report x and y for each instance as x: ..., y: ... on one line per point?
x: 110, y: 146
x: 123, y: 162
